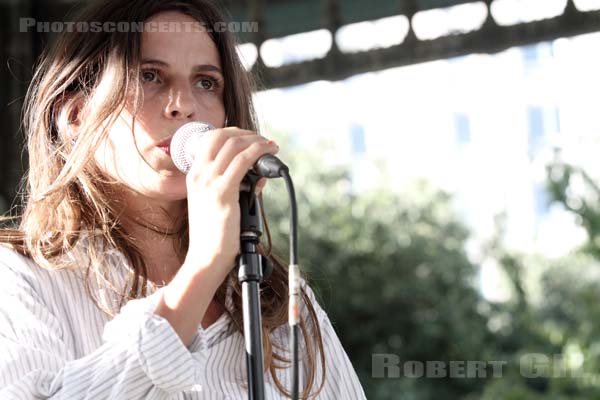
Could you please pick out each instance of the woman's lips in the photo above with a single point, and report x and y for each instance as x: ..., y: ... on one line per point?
x: 166, y: 149
x: 165, y: 146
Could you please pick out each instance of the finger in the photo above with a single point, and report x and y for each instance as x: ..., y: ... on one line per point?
x: 244, y: 160
x: 231, y: 148
x: 212, y: 142
x: 260, y: 185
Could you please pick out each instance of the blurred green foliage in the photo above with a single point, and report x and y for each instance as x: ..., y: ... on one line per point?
x: 392, y: 273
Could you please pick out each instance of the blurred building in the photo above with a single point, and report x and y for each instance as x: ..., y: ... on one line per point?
x: 481, y: 126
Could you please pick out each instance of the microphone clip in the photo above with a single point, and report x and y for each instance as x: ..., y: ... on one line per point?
x: 251, y: 220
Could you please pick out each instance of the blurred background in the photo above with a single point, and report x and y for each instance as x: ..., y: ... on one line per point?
x: 445, y: 154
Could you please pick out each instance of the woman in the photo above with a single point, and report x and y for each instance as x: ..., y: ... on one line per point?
x: 118, y: 282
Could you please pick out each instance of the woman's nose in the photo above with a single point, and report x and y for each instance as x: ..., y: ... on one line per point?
x: 181, y: 103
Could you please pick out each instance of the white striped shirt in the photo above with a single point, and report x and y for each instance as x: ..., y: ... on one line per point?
x: 56, y: 344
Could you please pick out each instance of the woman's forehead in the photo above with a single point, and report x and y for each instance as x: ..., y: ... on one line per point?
x: 172, y: 39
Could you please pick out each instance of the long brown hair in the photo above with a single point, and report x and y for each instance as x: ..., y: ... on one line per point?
x: 66, y: 195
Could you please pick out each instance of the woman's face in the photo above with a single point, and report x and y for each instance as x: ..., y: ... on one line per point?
x: 182, y: 82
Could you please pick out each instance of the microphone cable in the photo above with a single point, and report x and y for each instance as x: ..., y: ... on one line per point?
x: 294, y: 284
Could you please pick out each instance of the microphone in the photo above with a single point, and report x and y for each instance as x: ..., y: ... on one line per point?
x: 188, y: 138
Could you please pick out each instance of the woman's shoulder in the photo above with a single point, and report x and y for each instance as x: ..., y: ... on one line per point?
x: 18, y: 267
x: 12, y: 261
x: 314, y: 302
x: 312, y: 294
x: 20, y: 273
x: 309, y: 308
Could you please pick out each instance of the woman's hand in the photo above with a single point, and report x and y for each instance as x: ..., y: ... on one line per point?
x: 213, y: 186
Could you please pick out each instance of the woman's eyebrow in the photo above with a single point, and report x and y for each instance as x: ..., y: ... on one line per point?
x: 196, y: 68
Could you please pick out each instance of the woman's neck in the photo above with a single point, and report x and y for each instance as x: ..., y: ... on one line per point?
x: 155, y: 227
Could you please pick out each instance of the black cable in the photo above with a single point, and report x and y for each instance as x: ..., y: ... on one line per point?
x: 294, y: 284
x: 293, y: 217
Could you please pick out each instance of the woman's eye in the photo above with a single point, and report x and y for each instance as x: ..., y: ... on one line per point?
x: 149, y: 75
x: 207, y: 83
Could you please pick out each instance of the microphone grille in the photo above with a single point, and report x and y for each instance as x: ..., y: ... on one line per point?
x: 182, y: 152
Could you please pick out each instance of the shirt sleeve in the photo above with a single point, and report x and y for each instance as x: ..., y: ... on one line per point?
x: 141, y: 357
x: 341, y: 381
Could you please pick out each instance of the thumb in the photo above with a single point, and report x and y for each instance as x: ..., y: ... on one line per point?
x: 260, y: 185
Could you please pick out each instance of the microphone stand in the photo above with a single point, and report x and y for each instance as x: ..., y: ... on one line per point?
x: 252, y: 268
